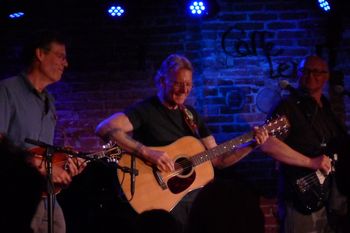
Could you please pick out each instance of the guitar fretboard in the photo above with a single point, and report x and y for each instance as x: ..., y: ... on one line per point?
x: 277, y: 126
x: 221, y: 149
x: 112, y: 152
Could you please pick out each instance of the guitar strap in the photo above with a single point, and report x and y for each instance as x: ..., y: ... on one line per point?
x: 189, y: 119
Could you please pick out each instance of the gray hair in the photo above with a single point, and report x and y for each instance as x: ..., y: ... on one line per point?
x: 170, y: 65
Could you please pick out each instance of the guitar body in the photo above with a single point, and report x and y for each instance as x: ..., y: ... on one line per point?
x: 309, y: 189
x: 159, y: 190
x: 58, y: 160
x: 193, y: 169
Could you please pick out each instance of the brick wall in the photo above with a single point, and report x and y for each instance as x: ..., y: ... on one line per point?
x: 239, y: 56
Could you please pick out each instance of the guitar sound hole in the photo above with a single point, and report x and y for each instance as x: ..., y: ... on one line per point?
x: 184, y: 165
x: 185, y: 177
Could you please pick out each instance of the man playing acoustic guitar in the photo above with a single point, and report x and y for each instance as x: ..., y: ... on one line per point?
x: 164, y: 132
x: 160, y: 120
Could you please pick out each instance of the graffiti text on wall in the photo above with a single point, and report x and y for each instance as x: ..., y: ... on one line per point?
x: 234, y: 45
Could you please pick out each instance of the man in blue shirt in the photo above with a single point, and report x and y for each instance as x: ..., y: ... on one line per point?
x: 27, y: 111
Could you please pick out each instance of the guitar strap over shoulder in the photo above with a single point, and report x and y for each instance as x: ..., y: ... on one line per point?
x: 189, y: 119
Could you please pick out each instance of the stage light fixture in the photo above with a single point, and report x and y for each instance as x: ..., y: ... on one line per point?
x: 202, y: 8
x: 324, y: 4
x: 116, y: 10
x: 16, y: 15
x: 197, y: 8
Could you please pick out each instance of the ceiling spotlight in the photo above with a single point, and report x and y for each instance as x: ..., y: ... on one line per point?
x: 197, y: 7
x: 16, y: 15
x: 324, y: 4
x: 202, y: 8
x: 116, y: 10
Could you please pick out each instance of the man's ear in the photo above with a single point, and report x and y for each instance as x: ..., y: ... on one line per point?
x: 39, y: 53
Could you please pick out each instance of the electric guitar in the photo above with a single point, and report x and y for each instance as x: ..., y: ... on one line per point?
x: 310, y: 189
x: 154, y: 189
x: 110, y: 151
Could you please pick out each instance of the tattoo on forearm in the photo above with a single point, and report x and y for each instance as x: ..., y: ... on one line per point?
x: 125, y: 140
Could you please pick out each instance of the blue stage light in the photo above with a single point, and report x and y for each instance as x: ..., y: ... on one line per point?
x: 16, y: 15
x: 116, y: 11
x: 324, y: 5
x: 197, y: 8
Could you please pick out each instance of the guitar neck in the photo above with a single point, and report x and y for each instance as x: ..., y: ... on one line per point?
x: 274, y: 127
x: 109, y: 153
x: 96, y: 155
x: 221, y: 149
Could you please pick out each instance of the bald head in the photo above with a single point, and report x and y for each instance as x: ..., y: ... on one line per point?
x: 314, y: 60
x: 313, y: 73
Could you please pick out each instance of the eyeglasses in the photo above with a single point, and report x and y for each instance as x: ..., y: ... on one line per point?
x: 59, y: 55
x: 179, y: 85
x: 314, y: 72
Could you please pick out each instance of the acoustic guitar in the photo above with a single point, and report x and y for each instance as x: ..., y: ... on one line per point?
x: 154, y: 189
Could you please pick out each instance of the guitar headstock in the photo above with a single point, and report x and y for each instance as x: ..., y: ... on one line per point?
x: 112, y: 151
x: 277, y: 126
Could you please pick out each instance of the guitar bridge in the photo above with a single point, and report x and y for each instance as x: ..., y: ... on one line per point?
x: 159, y: 179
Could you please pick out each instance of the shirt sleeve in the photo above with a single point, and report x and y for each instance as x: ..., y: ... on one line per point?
x: 134, y: 114
x: 5, y: 109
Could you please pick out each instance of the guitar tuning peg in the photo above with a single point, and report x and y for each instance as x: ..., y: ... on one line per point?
x: 108, y: 145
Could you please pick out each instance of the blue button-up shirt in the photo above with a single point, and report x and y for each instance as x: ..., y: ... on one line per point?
x: 26, y: 113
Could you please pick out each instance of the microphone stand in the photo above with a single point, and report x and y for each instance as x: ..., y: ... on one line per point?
x: 131, y: 171
x: 132, y: 174
x: 50, y: 150
x: 50, y: 190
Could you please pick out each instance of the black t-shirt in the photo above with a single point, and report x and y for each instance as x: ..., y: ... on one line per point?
x: 311, y: 126
x: 313, y: 131
x: 156, y: 125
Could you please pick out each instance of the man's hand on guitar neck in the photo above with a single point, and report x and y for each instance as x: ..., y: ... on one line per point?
x: 62, y: 174
x: 260, y: 134
x: 73, y: 167
x: 59, y: 174
x: 322, y: 163
x: 64, y: 166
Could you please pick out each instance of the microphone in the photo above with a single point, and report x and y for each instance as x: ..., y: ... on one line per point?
x: 56, y: 148
x: 339, y: 89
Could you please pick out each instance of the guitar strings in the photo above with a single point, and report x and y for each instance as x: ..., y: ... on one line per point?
x: 183, y: 166
x: 188, y: 164
x: 310, y: 177
x: 309, y: 180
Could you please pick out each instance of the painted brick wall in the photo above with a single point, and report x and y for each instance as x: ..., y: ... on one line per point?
x: 240, y: 54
